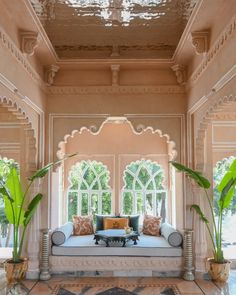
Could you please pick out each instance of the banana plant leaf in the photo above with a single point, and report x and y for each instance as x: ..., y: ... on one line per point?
x: 195, y: 175
x: 32, y: 208
x: 13, y: 198
x: 199, y: 212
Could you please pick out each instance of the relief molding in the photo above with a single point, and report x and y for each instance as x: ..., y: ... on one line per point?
x: 115, y: 75
x: 134, y: 89
x: 29, y: 42
x: 86, y: 263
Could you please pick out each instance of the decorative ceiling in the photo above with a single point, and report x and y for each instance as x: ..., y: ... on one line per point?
x: 114, y: 28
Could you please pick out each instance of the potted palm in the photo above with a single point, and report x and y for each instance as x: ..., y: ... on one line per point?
x: 219, y: 266
x: 19, y: 211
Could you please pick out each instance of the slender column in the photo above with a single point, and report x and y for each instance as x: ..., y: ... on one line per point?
x: 33, y: 239
x: 44, y: 267
x: 200, y: 242
x: 188, y: 255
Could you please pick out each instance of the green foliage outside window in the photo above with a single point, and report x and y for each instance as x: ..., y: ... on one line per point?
x: 90, y: 181
x: 143, y: 182
x: 219, y: 170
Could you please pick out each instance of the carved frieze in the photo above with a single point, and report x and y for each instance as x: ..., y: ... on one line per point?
x: 200, y: 41
x: 29, y: 41
x: 132, y: 89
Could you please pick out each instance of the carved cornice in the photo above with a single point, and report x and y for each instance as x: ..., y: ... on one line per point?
x: 218, y: 45
x: 70, y: 90
x: 200, y: 41
x: 18, y: 55
x: 50, y: 74
x: 112, y: 263
x: 180, y: 72
x: 29, y: 41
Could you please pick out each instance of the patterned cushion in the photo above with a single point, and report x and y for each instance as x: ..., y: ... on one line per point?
x: 115, y: 223
x: 151, y: 225
x: 83, y: 225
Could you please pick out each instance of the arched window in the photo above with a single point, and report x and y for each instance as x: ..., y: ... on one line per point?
x: 89, y: 190
x: 143, y: 192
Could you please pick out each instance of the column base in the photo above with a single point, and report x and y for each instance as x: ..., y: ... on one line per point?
x: 45, y: 276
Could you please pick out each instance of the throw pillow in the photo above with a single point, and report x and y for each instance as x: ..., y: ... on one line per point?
x: 115, y: 223
x: 83, y: 225
x: 99, y: 221
x: 151, y: 225
x: 133, y: 221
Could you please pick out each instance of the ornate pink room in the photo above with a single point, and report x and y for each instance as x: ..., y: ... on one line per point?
x: 117, y: 147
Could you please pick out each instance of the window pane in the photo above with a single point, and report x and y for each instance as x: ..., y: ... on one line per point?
x: 128, y: 181
x: 127, y: 203
x: 84, y: 204
x: 106, y: 203
x: 149, y: 204
x: 143, y: 176
x: 72, y: 204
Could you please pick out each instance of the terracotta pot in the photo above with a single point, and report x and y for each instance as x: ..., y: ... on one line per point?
x: 219, y: 271
x: 15, y: 271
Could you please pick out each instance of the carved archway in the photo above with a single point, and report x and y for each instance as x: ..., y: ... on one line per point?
x: 30, y: 141
x: 137, y: 129
x: 215, y: 107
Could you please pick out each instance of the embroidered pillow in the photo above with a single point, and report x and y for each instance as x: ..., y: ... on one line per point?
x: 83, y: 225
x: 151, y: 225
x: 115, y: 223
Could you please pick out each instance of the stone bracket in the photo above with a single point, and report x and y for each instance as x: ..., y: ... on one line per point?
x: 200, y: 41
x: 50, y: 74
x: 29, y: 42
x: 115, y: 74
x: 180, y: 72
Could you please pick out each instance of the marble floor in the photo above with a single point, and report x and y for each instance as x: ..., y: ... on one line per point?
x: 59, y: 285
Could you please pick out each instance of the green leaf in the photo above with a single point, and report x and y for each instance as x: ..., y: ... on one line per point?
x: 227, y: 194
x: 32, y: 208
x: 195, y: 175
x: 231, y: 173
x: 13, y: 198
x: 199, y: 212
x: 43, y: 171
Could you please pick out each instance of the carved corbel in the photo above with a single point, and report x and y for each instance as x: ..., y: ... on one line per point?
x: 180, y: 72
x: 115, y: 51
x: 50, y: 73
x: 200, y: 41
x: 115, y: 74
x: 29, y: 41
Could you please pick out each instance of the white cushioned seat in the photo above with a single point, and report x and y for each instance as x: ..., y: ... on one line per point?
x: 146, y: 246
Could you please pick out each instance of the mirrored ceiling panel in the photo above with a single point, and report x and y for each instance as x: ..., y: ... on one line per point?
x: 114, y: 28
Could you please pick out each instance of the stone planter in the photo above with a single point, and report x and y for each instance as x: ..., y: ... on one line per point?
x: 15, y: 272
x: 219, y: 271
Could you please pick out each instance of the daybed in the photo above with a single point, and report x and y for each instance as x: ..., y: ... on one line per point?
x: 152, y: 256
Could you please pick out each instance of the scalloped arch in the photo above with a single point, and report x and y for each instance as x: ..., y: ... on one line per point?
x: 139, y: 129
x: 20, y: 114
x: 213, y: 109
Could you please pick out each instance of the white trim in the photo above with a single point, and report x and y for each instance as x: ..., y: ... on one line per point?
x: 226, y: 78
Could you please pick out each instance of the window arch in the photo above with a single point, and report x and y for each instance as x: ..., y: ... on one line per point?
x: 89, y: 191
x: 144, y: 191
